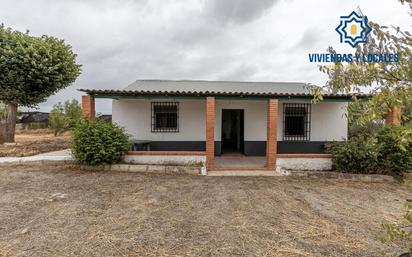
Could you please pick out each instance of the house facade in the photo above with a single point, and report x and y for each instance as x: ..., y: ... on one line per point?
x: 213, y: 119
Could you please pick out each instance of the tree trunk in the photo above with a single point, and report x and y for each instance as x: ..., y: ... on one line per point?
x: 394, y: 116
x: 8, y: 124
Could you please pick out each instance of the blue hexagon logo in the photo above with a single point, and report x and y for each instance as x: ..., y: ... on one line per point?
x: 353, y: 29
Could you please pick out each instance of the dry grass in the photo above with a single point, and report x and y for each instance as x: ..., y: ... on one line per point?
x: 31, y: 142
x: 60, y: 211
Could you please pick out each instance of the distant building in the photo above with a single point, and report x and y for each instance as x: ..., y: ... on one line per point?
x: 32, y: 120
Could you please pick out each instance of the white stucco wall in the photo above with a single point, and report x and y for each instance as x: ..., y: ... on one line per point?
x: 328, y: 122
x: 135, y: 116
x: 166, y: 159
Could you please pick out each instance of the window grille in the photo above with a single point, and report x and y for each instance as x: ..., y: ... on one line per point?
x: 165, y: 117
x: 296, y: 121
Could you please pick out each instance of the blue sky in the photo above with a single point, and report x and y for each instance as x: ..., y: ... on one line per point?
x: 119, y: 41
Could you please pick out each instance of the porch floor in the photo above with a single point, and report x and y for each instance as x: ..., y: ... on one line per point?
x: 239, y: 161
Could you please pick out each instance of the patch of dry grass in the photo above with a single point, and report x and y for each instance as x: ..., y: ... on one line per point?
x: 32, y: 142
x: 62, y: 211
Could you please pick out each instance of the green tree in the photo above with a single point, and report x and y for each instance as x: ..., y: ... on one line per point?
x: 407, y: 113
x: 2, y: 110
x: 58, y: 121
x: 73, y: 112
x: 64, y: 117
x: 31, y: 69
x: 391, y: 81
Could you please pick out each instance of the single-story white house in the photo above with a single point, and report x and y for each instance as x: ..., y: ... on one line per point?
x: 205, y: 120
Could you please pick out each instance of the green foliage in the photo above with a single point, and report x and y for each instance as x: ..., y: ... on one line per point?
x: 386, y: 151
x: 400, y: 231
x: 64, y: 117
x: 73, y: 111
x: 394, y: 149
x: 407, y: 113
x: 33, y: 68
x: 357, y: 155
x: 357, y: 109
x: 368, y: 130
x: 58, y: 121
x: 391, y: 81
x: 96, y: 142
x: 2, y: 110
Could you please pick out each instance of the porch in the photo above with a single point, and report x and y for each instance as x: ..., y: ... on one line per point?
x: 217, y: 136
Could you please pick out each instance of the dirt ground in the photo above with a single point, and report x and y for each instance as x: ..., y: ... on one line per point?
x: 32, y: 142
x: 62, y: 211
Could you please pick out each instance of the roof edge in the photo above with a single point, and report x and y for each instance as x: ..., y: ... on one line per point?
x: 218, y: 81
x: 111, y: 92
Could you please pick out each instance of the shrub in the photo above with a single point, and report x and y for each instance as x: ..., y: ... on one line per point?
x: 366, y: 130
x: 394, y: 145
x: 357, y: 155
x: 388, y: 151
x: 97, y: 142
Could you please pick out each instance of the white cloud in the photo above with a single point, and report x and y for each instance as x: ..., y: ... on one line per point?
x: 121, y: 41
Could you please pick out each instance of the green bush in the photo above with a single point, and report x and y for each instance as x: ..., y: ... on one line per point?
x: 366, y: 130
x: 388, y: 151
x: 96, y: 142
x: 394, y: 145
x: 357, y: 155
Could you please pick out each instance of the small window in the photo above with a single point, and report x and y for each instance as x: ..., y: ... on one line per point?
x: 296, y: 122
x: 165, y: 117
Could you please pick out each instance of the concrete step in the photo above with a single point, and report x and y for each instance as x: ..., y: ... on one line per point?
x: 243, y: 173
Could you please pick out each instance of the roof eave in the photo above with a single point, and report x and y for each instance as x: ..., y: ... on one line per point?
x: 131, y: 94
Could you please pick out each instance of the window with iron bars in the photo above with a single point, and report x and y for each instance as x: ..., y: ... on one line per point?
x: 165, y: 117
x: 296, y: 121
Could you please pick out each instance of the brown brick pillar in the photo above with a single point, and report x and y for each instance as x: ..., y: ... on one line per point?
x: 394, y: 116
x: 88, y: 107
x: 272, y: 128
x: 210, y: 132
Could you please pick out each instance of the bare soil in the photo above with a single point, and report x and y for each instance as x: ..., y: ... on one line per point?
x: 32, y: 142
x: 63, y: 211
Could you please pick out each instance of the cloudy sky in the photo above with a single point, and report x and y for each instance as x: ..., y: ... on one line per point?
x: 119, y: 41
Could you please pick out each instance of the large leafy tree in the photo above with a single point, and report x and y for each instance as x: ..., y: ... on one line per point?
x: 31, y: 69
x: 390, y: 82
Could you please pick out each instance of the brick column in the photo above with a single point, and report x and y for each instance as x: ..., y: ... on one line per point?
x: 88, y: 107
x: 210, y: 132
x: 272, y: 128
x: 394, y: 116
